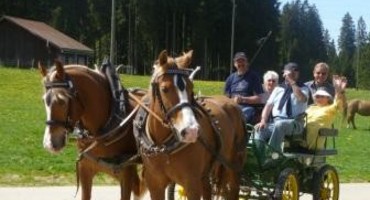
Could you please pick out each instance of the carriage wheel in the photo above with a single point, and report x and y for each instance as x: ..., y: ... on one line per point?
x: 287, y: 186
x: 326, y: 184
x: 175, y: 192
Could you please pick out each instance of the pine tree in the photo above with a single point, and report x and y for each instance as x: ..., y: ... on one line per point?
x: 302, y: 36
x: 347, y: 48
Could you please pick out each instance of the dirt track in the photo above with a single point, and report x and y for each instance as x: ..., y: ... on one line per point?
x: 353, y: 191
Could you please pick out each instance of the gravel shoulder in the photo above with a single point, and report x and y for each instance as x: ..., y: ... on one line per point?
x: 348, y: 191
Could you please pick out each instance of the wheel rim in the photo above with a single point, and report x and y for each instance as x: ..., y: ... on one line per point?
x: 290, y: 191
x: 329, y: 189
x: 180, y: 192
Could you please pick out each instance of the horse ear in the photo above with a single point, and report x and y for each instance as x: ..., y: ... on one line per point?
x: 163, y: 58
x: 59, y: 68
x: 42, y: 69
x: 188, y: 57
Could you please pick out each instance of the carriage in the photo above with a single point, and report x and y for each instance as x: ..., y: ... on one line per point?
x: 268, y: 174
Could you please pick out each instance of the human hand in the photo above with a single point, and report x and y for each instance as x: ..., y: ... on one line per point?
x: 339, y: 83
x: 237, y: 99
x: 288, y: 75
x: 260, y: 125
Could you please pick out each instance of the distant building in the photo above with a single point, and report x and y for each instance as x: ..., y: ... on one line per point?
x: 25, y: 42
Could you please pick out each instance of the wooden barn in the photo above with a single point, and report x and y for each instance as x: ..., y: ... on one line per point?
x: 25, y: 42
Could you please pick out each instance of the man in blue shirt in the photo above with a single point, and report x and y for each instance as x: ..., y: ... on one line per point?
x: 287, y: 104
x: 244, y: 86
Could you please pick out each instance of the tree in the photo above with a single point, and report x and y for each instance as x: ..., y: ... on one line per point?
x: 302, y: 36
x: 347, y: 48
x: 360, y: 63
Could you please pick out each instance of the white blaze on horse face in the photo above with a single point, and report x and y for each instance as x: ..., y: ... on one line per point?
x: 54, y: 139
x: 47, y: 137
x: 188, y: 125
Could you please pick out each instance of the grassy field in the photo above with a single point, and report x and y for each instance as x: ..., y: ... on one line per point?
x: 23, y: 161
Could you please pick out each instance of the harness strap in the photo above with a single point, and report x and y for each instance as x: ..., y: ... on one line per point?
x: 175, y: 108
x: 219, y: 142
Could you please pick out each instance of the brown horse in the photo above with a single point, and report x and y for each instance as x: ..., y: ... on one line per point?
x: 188, y: 142
x: 355, y: 106
x: 76, y: 96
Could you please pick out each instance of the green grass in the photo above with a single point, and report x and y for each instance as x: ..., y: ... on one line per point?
x: 24, y: 161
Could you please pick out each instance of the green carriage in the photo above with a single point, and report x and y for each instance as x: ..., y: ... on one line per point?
x: 269, y: 174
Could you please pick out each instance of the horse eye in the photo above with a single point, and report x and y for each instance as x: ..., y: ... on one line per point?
x: 164, y: 89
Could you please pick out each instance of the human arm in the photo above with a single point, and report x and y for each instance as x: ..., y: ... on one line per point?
x: 289, y: 77
x: 266, y: 112
x: 227, y: 87
x: 340, y: 84
x: 255, y: 99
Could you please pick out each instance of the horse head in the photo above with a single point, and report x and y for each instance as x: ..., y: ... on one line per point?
x: 172, y: 95
x: 62, y: 106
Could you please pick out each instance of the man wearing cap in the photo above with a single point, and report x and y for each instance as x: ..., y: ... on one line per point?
x: 287, y: 105
x: 244, y: 86
x: 320, y: 75
x: 322, y: 114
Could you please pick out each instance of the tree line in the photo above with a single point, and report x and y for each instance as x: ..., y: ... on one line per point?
x: 290, y: 32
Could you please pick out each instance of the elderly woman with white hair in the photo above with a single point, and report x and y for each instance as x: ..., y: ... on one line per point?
x: 270, y: 81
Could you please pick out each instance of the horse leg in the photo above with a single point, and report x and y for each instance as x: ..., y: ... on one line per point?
x: 233, y: 184
x: 86, y: 175
x: 156, y: 185
x: 130, y: 181
x: 207, y: 188
x: 351, y: 120
x: 193, y: 190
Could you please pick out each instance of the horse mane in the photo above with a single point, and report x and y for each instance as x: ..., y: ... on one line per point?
x: 97, y: 74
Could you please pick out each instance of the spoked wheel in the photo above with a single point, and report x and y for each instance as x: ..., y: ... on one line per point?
x: 287, y: 186
x: 175, y: 192
x: 326, y: 184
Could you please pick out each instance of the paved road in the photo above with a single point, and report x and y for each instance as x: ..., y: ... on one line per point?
x: 353, y: 191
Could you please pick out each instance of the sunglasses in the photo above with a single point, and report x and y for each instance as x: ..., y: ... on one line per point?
x: 322, y: 73
x: 320, y: 96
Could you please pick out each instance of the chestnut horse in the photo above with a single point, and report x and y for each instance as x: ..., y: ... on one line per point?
x: 188, y: 142
x: 355, y: 106
x: 76, y: 96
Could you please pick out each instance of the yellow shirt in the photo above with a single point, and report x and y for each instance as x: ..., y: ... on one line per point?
x: 320, y: 117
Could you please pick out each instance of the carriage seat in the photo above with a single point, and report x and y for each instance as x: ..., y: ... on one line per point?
x: 298, y: 144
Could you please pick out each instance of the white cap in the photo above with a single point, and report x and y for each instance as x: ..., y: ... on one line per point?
x: 322, y: 92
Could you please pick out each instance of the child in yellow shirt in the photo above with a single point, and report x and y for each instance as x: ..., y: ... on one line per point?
x: 322, y: 114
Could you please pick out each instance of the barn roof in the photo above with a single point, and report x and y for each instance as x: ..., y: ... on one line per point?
x: 49, y: 34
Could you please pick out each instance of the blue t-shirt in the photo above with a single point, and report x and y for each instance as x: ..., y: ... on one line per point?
x: 248, y: 84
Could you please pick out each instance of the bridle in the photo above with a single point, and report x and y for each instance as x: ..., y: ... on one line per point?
x: 68, y: 85
x: 156, y: 93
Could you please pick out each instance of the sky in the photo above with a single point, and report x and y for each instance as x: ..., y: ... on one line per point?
x: 332, y: 12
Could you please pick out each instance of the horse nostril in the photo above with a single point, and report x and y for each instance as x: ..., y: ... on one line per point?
x: 183, y: 133
x: 190, y: 134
